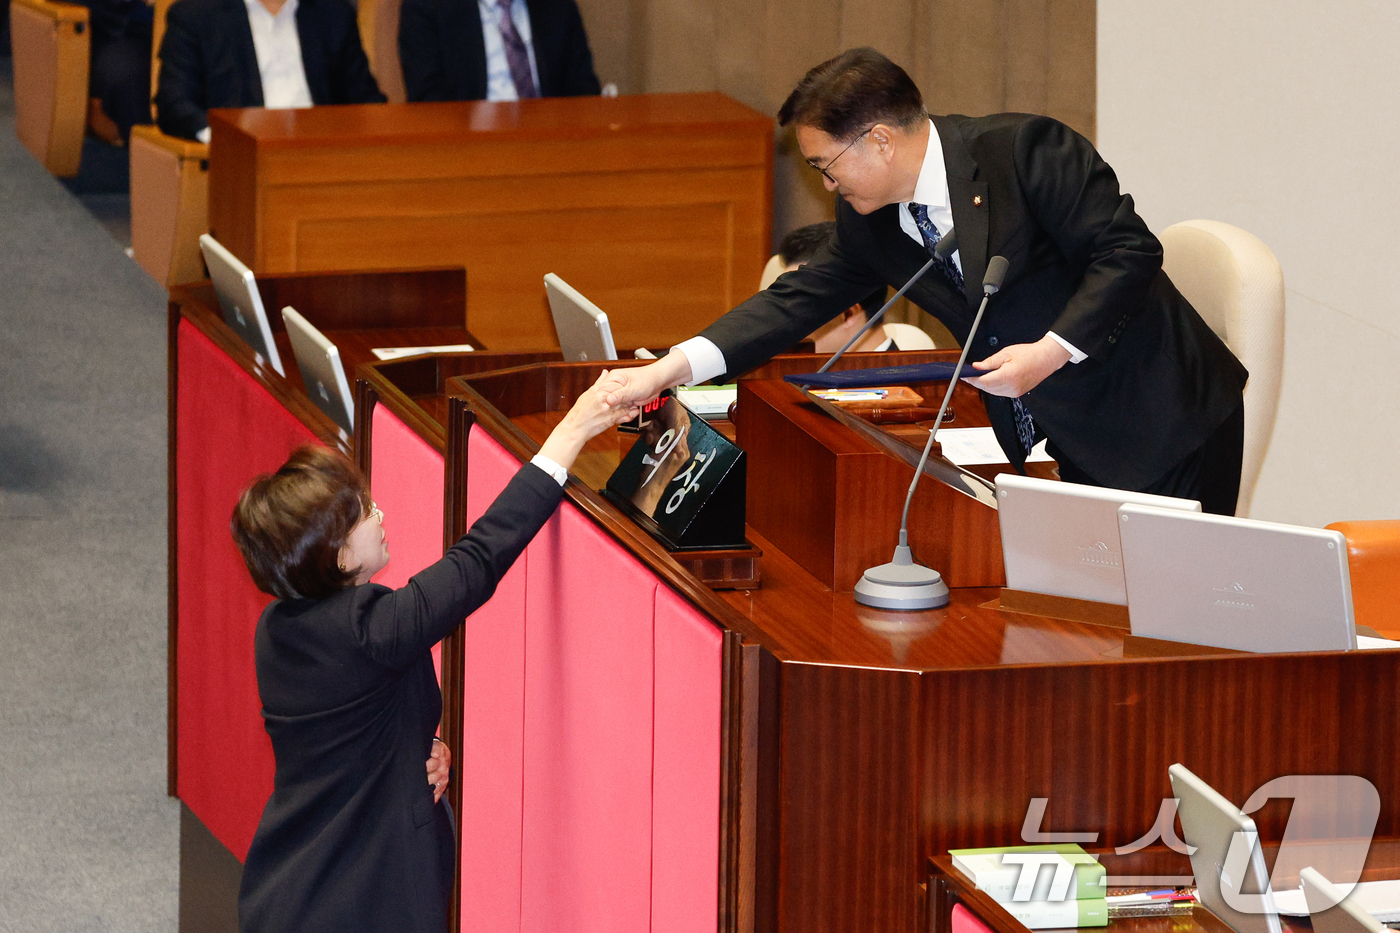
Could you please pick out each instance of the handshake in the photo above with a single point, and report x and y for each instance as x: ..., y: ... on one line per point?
x: 616, y: 397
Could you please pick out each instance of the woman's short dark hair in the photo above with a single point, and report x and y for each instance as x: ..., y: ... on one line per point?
x: 851, y: 93
x: 290, y: 525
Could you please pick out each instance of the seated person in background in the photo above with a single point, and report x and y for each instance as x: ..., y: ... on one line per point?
x: 120, y: 73
x: 258, y: 53
x: 494, y: 50
x: 797, y: 249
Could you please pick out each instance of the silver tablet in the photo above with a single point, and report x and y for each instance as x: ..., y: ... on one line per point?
x: 584, y: 331
x: 1062, y: 538
x: 1331, y: 909
x: 1235, y: 582
x: 321, y: 370
x: 1228, y: 862
x: 239, y: 298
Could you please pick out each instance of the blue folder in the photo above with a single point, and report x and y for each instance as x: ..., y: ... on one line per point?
x: 884, y: 376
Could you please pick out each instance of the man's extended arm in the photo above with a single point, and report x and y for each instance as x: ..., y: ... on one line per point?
x: 180, y: 102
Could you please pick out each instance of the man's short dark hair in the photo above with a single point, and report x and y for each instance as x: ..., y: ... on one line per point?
x: 803, y: 244
x: 290, y: 525
x: 852, y: 92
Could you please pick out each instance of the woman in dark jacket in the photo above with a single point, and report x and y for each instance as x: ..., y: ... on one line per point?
x: 353, y: 838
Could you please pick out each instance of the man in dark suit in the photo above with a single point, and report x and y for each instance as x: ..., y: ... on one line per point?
x: 306, y: 52
x: 1088, y: 342
x: 494, y: 50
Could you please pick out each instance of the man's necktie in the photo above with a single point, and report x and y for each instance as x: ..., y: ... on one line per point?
x: 930, y: 232
x: 1025, y: 424
x: 517, y: 56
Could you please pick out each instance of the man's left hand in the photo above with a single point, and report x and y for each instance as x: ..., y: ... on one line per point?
x: 1020, y: 367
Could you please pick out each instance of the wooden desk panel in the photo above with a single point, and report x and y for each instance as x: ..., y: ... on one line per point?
x: 655, y: 207
x: 861, y: 742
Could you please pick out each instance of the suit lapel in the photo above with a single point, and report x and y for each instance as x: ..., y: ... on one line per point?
x: 236, y: 18
x: 968, y: 198
x: 313, y: 53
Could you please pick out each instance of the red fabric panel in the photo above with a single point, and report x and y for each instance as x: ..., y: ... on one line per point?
x: 493, y: 702
x: 685, y: 776
x: 965, y: 921
x: 586, y: 846
x: 407, y: 485
x: 229, y: 430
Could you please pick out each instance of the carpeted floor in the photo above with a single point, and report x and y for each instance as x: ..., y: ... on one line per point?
x: 88, y: 837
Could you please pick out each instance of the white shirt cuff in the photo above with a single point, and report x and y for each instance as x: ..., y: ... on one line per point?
x: 561, y: 475
x: 706, y: 360
x: 1076, y: 355
x: 203, y: 136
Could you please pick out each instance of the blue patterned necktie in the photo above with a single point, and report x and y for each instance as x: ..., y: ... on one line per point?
x: 931, y: 235
x: 1025, y: 424
x: 517, y: 56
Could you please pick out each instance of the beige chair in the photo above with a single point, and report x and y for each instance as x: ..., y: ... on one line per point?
x: 50, y: 44
x: 379, y: 34
x: 169, y: 192
x: 1236, y: 284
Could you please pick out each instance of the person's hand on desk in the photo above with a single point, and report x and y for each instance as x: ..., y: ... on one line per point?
x: 1019, y: 368
x: 638, y: 385
x: 591, y: 415
x: 439, y: 768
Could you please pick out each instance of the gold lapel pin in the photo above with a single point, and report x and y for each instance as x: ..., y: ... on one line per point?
x: 977, y: 200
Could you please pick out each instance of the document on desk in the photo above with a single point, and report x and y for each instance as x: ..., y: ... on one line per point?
x: 1380, y: 899
x: 394, y: 353
x: 973, y: 446
x: 1371, y: 643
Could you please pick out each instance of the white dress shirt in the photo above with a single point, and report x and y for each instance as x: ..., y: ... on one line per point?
x: 499, y: 84
x: 930, y: 190
x: 559, y: 474
x: 278, y: 48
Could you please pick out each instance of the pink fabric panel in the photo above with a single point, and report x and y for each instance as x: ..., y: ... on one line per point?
x: 586, y: 846
x: 685, y: 776
x: 965, y: 921
x: 493, y: 702
x: 229, y: 430
x: 407, y: 485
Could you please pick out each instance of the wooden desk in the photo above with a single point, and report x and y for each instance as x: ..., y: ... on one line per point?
x: 657, y: 207
x: 861, y: 742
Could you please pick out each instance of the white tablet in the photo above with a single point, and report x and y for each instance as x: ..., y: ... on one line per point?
x: 1235, y: 582
x: 1062, y: 538
x: 239, y: 298
x: 321, y: 370
x: 584, y: 331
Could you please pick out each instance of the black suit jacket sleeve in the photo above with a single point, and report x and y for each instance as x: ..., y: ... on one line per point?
x: 1074, y: 197
x: 337, y: 70
x: 791, y: 308
x: 181, y: 94
x: 396, y: 627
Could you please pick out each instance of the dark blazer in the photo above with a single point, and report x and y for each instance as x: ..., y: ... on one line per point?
x: 443, y: 52
x: 351, y: 839
x: 207, y: 60
x: 1157, y: 380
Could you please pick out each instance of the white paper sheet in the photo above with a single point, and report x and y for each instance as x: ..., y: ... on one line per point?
x: 393, y: 353
x: 972, y: 446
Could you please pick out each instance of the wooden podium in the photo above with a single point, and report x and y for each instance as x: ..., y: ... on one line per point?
x: 656, y: 207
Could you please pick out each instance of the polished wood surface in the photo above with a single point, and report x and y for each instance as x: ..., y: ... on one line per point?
x: 655, y: 207
x: 863, y: 742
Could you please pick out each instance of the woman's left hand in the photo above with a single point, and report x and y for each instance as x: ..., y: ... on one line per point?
x: 439, y: 768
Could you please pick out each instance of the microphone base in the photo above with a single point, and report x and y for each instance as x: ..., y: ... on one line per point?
x: 902, y: 585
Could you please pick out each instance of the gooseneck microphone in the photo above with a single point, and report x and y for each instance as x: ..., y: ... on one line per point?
x: 902, y: 584
x: 942, y: 252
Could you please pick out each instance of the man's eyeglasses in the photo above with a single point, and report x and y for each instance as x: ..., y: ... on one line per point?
x: 826, y: 169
